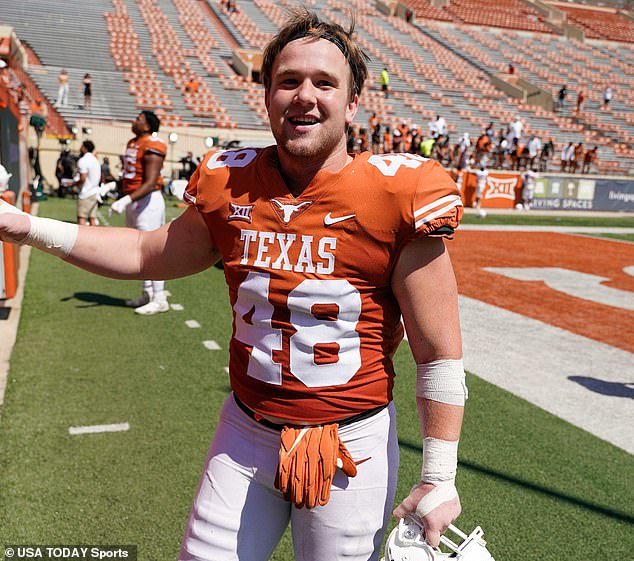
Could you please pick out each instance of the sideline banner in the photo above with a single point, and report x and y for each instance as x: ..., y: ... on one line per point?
x: 564, y: 193
x: 584, y: 193
x: 614, y: 194
x: 552, y: 192
x: 502, y: 190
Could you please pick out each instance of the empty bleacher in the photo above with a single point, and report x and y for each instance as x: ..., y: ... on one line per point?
x: 512, y: 14
x: 600, y: 23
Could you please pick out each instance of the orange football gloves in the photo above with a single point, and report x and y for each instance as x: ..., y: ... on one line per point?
x: 309, y: 457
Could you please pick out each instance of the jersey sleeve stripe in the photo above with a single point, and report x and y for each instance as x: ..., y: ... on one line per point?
x: 189, y: 198
x: 434, y: 204
x: 452, y: 201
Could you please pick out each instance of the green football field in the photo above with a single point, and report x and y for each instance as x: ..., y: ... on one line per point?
x: 540, y: 488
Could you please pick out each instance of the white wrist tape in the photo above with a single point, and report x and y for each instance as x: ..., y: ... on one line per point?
x: 441, y: 493
x: 443, y: 381
x: 52, y: 236
x: 440, y: 460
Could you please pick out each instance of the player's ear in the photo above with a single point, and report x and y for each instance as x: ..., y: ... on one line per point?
x: 352, y: 108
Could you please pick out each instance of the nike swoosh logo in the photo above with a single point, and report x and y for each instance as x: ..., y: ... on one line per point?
x: 329, y: 220
x: 359, y: 462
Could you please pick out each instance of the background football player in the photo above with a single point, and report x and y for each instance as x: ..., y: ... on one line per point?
x: 143, y: 201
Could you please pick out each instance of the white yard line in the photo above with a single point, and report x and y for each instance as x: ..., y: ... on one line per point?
x: 94, y: 429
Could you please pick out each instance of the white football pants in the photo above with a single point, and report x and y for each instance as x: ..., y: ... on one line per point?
x: 238, y: 514
x: 148, y: 214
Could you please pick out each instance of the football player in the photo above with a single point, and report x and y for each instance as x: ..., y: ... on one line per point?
x: 323, y: 253
x: 143, y: 202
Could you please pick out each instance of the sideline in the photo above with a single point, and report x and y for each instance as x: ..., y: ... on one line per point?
x: 559, y: 229
x: 9, y: 327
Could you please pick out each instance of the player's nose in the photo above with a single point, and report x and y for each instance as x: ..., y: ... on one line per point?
x: 305, y: 92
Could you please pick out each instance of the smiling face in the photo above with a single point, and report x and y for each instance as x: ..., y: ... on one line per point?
x: 309, y: 102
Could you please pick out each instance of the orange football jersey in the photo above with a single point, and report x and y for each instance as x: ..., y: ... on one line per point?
x: 315, y: 320
x: 136, y: 149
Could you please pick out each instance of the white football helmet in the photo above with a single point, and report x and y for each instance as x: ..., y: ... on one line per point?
x: 407, y: 543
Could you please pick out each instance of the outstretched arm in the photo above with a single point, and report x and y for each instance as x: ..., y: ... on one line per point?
x: 425, y: 287
x: 180, y: 248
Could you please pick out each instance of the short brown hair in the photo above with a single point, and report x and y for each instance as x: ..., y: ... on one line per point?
x: 304, y: 23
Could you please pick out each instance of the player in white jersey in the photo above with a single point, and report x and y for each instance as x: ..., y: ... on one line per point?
x: 481, y: 182
x: 528, y: 188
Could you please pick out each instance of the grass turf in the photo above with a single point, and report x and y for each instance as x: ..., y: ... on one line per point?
x: 540, y: 487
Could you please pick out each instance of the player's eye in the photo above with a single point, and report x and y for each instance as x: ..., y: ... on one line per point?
x: 288, y: 83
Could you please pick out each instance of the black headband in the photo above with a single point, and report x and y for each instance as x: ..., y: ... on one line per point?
x: 313, y: 32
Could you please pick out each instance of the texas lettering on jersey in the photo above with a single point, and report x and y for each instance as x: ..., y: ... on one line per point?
x: 288, y: 252
x: 309, y: 276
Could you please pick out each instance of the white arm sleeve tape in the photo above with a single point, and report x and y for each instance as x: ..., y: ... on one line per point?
x: 441, y: 493
x: 442, y: 380
x: 52, y: 236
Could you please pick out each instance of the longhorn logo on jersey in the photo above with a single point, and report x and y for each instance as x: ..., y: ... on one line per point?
x: 287, y: 210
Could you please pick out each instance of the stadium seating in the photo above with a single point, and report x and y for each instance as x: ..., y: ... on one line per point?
x: 601, y: 23
x: 513, y: 14
x: 143, y: 53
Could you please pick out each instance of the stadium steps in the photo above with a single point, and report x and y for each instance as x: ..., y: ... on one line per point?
x: 239, y: 111
x: 432, y: 98
x: 145, y: 47
x: 250, y: 94
x: 224, y: 18
x: 261, y: 21
x: 448, y: 82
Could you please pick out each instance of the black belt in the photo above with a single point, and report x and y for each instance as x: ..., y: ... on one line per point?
x: 278, y: 427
